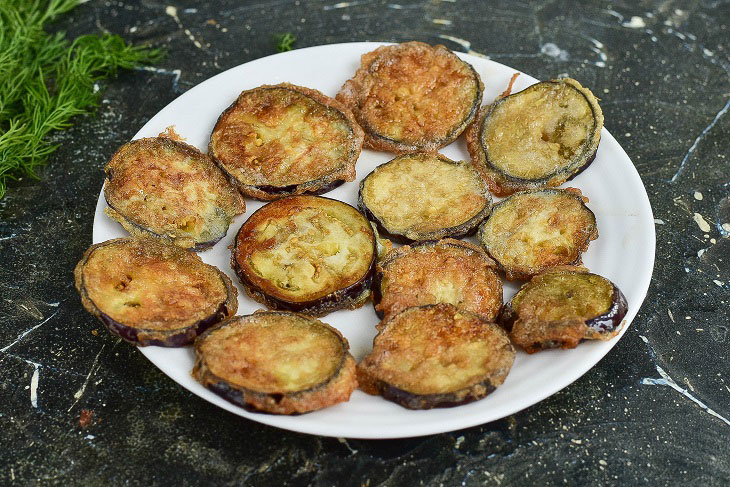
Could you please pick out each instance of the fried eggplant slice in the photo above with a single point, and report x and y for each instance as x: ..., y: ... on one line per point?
x: 537, y: 138
x: 421, y: 196
x: 560, y: 308
x: 281, y: 140
x: 436, y: 356
x: 276, y: 362
x: 165, y: 188
x: 412, y: 97
x: 306, y: 253
x: 448, y: 271
x: 149, y: 292
x: 532, y: 231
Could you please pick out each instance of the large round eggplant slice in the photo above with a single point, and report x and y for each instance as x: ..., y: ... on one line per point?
x: 306, y: 253
x: 436, y: 356
x: 539, y: 137
x: 421, y: 196
x: 149, y: 292
x: 165, y: 188
x: 448, y: 271
x: 276, y: 362
x: 281, y: 140
x: 412, y: 97
x: 532, y: 231
x: 561, y: 307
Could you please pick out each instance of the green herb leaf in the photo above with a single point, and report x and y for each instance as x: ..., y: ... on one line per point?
x: 285, y: 42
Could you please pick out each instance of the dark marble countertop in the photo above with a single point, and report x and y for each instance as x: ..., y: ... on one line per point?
x: 79, y: 407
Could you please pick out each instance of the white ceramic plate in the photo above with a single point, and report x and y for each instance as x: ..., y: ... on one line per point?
x: 624, y: 252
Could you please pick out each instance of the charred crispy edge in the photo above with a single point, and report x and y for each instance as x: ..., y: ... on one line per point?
x: 411, y: 400
x: 513, y: 274
x: 139, y: 230
x: 297, y: 402
x: 141, y: 336
x: 378, y: 142
x: 466, y: 229
x: 350, y: 297
x: 408, y: 249
x: 316, y: 186
x: 502, y: 184
x: 602, y: 327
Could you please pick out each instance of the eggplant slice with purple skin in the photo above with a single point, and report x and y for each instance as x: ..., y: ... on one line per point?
x: 276, y: 362
x: 436, y: 356
x: 149, y: 292
x: 447, y: 271
x: 307, y: 254
x: 562, y: 307
x: 165, y: 188
x: 282, y: 140
x: 532, y: 231
x: 421, y: 196
x: 537, y: 138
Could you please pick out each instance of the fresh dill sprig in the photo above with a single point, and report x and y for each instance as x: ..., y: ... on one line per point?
x: 47, y: 80
x: 284, y: 42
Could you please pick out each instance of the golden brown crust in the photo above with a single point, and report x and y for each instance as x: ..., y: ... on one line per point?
x: 533, y: 143
x: 276, y: 362
x: 279, y: 140
x: 449, y: 271
x: 436, y: 356
x: 412, y: 97
x: 152, y: 287
x: 165, y: 188
x: 532, y: 231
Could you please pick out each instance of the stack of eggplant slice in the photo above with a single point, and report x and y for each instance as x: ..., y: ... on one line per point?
x: 445, y: 338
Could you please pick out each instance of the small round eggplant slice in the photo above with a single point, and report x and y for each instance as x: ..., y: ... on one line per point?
x: 149, y: 292
x: 421, y: 196
x: 281, y: 140
x: 448, y: 271
x: 412, y: 97
x: 537, y: 138
x: 436, y: 356
x: 306, y: 253
x: 532, y: 231
x: 276, y: 362
x: 165, y: 188
x: 560, y: 308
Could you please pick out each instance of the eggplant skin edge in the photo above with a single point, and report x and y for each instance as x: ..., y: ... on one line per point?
x: 145, y: 337
x: 501, y: 184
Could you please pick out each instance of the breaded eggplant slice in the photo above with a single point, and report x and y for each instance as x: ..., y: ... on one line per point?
x: 436, y: 356
x: 537, y: 138
x: 281, y: 140
x: 532, y: 231
x: 421, y: 196
x: 412, y: 97
x: 448, y: 271
x: 149, y: 292
x: 306, y: 253
x: 560, y: 308
x: 165, y: 188
x: 276, y: 362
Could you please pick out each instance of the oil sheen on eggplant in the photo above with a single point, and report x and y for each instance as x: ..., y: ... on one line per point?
x: 149, y: 292
x: 562, y: 307
x: 306, y: 253
x: 276, y: 362
x: 539, y: 137
x: 420, y: 196
x: 165, y: 188
x: 532, y: 231
x: 447, y: 271
x: 412, y: 97
x: 436, y: 356
x: 281, y: 140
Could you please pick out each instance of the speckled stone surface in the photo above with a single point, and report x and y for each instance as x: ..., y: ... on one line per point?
x: 79, y: 407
